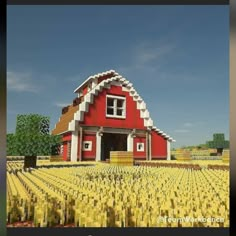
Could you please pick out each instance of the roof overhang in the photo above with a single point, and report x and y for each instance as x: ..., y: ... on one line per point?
x: 93, y: 77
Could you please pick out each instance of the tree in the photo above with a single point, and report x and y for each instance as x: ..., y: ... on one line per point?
x: 11, y: 147
x: 219, y: 143
x: 32, y: 139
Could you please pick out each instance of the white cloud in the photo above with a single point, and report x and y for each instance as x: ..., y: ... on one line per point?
x: 153, y: 51
x: 20, y: 82
x: 181, y: 131
x: 147, y: 58
x: 188, y: 124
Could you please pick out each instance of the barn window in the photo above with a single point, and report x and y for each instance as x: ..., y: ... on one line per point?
x: 140, y: 147
x: 87, y: 146
x: 115, y: 106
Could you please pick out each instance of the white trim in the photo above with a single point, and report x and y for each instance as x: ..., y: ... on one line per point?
x: 168, y: 151
x: 96, y: 76
x: 150, y: 146
x: 74, y: 145
x: 98, y: 146
x: 94, y: 83
x: 115, y: 108
x: 121, y: 131
x: 72, y: 125
x: 115, y: 116
x: 113, y: 130
x: 124, y: 89
x: 84, y: 83
x: 115, y: 96
x: 116, y: 83
x: 147, y: 146
x: 89, y: 87
x: 130, y: 143
x: 80, y: 142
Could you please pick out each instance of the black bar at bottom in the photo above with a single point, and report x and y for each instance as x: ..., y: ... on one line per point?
x: 117, y: 231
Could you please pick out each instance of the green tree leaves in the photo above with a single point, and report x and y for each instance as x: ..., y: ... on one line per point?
x: 218, y: 142
x: 32, y: 137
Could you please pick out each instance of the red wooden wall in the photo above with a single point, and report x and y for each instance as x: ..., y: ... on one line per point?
x: 139, y: 155
x: 66, y: 137
x: 159, y: 146
x: 89, y: 155
x: 96, y: 116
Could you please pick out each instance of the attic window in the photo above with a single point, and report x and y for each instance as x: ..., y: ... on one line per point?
x: 115, y: 106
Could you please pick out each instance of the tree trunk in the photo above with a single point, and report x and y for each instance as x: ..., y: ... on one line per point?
x: 219, y: 151
x: 30, y: 161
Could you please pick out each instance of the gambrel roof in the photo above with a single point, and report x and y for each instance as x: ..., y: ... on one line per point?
x: 65, y: 119
x: 94, y: 77
x: 115, y: 79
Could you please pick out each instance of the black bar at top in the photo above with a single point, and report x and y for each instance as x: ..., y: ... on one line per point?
x: 118, y: 2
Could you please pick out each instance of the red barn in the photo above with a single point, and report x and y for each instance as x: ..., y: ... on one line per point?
x: 109, y: 115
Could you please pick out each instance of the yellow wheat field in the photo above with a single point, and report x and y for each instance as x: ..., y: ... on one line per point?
x: 103, y: 195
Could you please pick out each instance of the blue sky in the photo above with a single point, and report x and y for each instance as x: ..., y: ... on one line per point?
x: 177, y: 58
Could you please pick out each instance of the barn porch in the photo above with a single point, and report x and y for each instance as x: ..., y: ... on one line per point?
x: 112, y: 142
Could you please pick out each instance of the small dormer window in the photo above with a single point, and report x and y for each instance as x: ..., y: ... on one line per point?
x: 115, y: 106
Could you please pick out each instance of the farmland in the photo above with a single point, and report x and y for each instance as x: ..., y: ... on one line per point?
x: 102, y: 195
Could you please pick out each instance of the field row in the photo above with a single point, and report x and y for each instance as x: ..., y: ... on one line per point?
x: 103, y: 196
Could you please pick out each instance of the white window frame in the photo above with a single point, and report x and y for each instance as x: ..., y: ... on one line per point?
x: 142, y: 147
x: 89, y: 145
x: 115, y: 98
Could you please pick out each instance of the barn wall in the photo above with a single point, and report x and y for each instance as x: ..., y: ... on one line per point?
x: 104, y: 78
x: 89, y: 155
x: 96, y: 116
x: 139, y: 154
x: 159, y: 146
x: 65, y: 139
x: 64, y: 151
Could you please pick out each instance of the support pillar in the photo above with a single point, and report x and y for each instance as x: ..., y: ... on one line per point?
x: 150, y: 146
x: 98, y: 146
x: 74, y: 145
x: 168, y: 151
x: 130, y: 143
x: 147, y: 146
x: 80, y: 143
